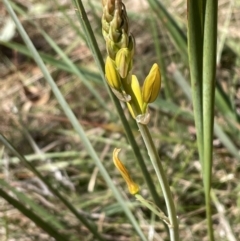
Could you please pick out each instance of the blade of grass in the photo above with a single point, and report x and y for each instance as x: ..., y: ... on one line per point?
x: 171, y: 108
x: 225, y: 140
x: 78, y: 128
x: 176, y: 33
x: 195, y: 53
x: 68, y: 204
x: 54, y: 62
x: 209, y: 75
x: 32, y: 216
x: 161, y: 62
x: 70, y: 21
x: 52, y: 220
x: 67, y: 61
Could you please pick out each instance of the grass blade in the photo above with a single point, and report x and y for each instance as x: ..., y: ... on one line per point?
x: 209, y: 74
x: 31, y: 167
x: 195, y: 53
x: 158, y: 48
x: 35, y: 218
x: 177, y: 34
x: 54, y: 62
x: 68, y: 62
x: 52, y: 220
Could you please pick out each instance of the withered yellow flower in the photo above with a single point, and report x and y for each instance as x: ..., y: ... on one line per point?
x: 151, y: 85
x: 132, y: 186
x: 112, y: 75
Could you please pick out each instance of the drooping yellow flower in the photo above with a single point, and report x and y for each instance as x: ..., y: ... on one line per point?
x: 132, y: 186
x: 112, y: 74
x: 151, y: 85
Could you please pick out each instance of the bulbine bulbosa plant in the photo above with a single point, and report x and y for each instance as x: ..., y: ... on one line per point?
x: 120, y: 47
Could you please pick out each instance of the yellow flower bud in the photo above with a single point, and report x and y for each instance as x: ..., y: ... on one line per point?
x: 123, y: 62
x: 151, y: 85
x: 132, y: 186
x: 137, y: 98
x: 112, y: 75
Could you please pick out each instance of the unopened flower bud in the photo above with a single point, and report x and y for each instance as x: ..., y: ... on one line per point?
x: 131, y: 44
x: 151, y: 85
x: 123, y: 62
x: 112, y: 75
x: 136, y: 99
x: 112, y: 48
x: 123, y: 43
x: 132, y: 186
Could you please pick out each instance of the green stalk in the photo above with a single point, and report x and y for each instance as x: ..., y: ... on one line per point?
x: 99, y: 60
x: 209, y: 74
x: 195, y: 53
x: 156, y: 162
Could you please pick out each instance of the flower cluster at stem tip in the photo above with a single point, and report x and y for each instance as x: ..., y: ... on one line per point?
x: 120, y: 46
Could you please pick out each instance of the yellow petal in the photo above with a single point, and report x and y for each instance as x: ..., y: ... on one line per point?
x: 131, y: 110
x: 137, y: 91
x: 136, y: 98
x: 112, y: 75
x: 132, y: 186
x: 151, y: 85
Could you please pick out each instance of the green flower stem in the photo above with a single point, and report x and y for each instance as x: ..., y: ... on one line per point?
x: 152, y: 152
x: 158, y: 212
x: 99, y: 60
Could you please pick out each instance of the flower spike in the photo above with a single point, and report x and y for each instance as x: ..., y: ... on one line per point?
x: 112, y: 74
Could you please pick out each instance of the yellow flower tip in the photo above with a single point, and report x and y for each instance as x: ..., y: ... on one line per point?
x: 112, y: 75
x: 132, y: 186
x: 123, y: 62
x: 137, y: 91
x: 151, y: 85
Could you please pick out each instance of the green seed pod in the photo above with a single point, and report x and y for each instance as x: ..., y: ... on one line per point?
x: 123, y: 62
x: 151, y: 85
x: 112, y: 75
